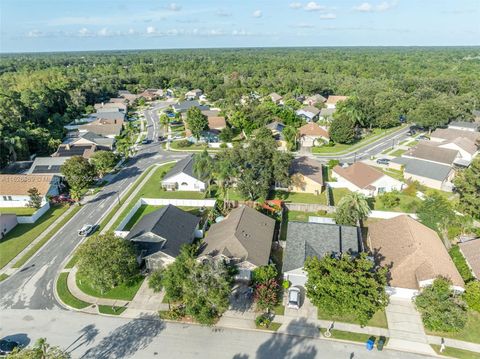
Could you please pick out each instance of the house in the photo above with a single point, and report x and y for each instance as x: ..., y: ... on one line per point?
x: 193, y: 94
x: 449, y: 134
x: 471, y: 252
x: 118, y: 100
x: 464, y: 126
x: 427, y: 173
x: 360, y: 177
x: 276, y: 98
x: 109, y: 116
x: 215, y: 121
x: 14, y: 188
x: 182, y: 178
x: 47, y: 166
x: 431, y: 153
x: 105, y: 127
x: 8, y: 221
x: 243, y: 238
x: 333, y: 100
x: 306, y: 239
x: 111, y: 107
x: 128, y: 96
x: 414, y: 254
x: 307, y: 176
x: 276, y: 127
x: 309, y: 113
x: 152, y: 94
x: 466, y: 148
x: 326, y: 114
x: 89, y: 138
x: 184, y: 106
x: 70, y: 150
x: 160, y: 235
x: 312, y: 134
x: 314, y: 100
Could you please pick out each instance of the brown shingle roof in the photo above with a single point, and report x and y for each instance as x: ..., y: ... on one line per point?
x: 426, y: 151
x: 312, y: 129
x: 105, y: 127
x: 412, y: 251
x: 335, y: 99
x: 308, y: 168
x: 245, y: 234
x: 471, y: 252
x: 451, y: 134
x: 216, y: 122
x: 18, y: 185
x: 360, y: 174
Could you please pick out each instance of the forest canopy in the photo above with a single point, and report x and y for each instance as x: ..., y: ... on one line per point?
x: 39, y: 93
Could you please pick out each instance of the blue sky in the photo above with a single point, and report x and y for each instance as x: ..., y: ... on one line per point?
x: 65, y: 25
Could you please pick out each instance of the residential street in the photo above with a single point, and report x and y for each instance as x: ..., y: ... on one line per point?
x: 88, y: 336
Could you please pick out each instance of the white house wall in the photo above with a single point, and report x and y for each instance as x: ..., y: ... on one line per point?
x: 185, y: 183
x: 388, y: 183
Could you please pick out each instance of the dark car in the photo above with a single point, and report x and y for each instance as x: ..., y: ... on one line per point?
x: 411, y: 133
x: 383, y: 161
x: 145, y: 142
x: 176, y: 123
x: 7, y: 346
x: 161, y: 138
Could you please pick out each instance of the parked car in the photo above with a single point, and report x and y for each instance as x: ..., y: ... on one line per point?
x: 7, y: 346
x: 161, y: 138
x: 176, y: 123
x: 294, y: 298
x: 145, y: 141
x: 411, y: 133
x: 86, y: 230
x: 383, y: 161
x: 63, y: 198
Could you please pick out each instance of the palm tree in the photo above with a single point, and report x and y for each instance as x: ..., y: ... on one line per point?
x: 203, y: 167
x: 164, y: 120
x: 352, y: 209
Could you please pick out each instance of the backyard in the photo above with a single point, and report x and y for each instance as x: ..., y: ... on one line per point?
x: 295, y: 197
x: 19, y: 211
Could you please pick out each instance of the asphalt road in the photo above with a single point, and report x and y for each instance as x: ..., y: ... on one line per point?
x: 92, y: 336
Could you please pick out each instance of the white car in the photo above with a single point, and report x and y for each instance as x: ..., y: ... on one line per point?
x: 86, y: 230
x: 294, y: 295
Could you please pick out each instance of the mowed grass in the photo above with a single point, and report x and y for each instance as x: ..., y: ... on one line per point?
x: 108, y: 309
x: 470, y: 333
x: 300, y: 216
x: 338, y: 194
x: 397, y: 153
x: 122, y: 292
x: 295, y: 197
x: 66, y: 296
x: 408, y: 204
x: 379, y: 319
x: 455, y: 353
x: 146, y: 209
x: 19, y: 211
x: 23, y: 234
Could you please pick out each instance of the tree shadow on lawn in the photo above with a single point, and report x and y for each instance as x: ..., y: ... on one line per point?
x: 126, y: 340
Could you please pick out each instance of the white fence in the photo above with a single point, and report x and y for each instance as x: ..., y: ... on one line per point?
x: 34, y: 217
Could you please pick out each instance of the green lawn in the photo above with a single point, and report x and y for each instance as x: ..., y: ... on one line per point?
x: 107, y: 309
x: 295, y: 197
x: 66, y: 296
x: 3, y: 276
x: 71, y: 263
x: 338, y: 193
x: 340, y: 148
x: 121, y: 292
x: 233, y: 195
x: 397, y: 153
x: 471, y: 332
x: 300, y: 216
x: 193, y: 147
x: 351, y: 336
x: 412, y: 143
x: 397, y: 174
x: 274, y: 326
x: 23, y: 234
x: 279, y: 309
x: 45, y: 239
x: 408, y: 204
x: 19, y: 211
x: 460, y: 263
x: 455, y: 353
x: 146, y: 209
x: 379, y: 319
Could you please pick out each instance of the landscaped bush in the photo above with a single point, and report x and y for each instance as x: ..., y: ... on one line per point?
x: 390, y: 200
x: 472, y: 295
x: 176, y: 313
x: 412, y: 189
x: 183, y: 143
x: 263, y: 321
x: 286, y: 284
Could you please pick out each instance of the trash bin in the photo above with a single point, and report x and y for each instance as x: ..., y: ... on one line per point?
x: 381, y: 343
x: 370, y: 344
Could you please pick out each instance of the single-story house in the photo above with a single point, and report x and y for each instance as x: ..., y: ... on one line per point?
x: 160, y: 235
x: 193, y: 94
x: 182, y: 178
x: 111, y: 106
x: 314, y: 100
x: 465, y: 147
x: 89, y: 138
x: 127, y: 95
x: 333, y: 100
x: 306, y: 239
x: 73, y: 149
x: 14, y: 188
x: 243, y: 238
x: 309, y: 113
x: 464, y: 126
x: 105, y: 127
x: 471, y: 252
x: 307, y: 176
x: 312, y: 134
x: 427, y: 173
x: 450, y: 134
x: 360, y: 177
x: 110, y: 117
x: 215, y: 121
x: 152, y: 94
x: 184, y: 106
x: 276, y: 127
x: 118, y: 100
x: 326, y: 114
x: 276, y: 98
x: 414, y: 254
x: 429, y: 152
x: 8, y: 221
x: 47, y: 165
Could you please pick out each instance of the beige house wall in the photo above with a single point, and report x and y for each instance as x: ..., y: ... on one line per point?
x: 303, y: 184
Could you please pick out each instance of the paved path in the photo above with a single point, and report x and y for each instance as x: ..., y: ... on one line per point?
x: 406, y: 327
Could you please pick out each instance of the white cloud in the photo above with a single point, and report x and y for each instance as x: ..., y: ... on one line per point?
x: 384, y: 6
x: 257, y: 13
x: 35, y: 33
x: 328, y: 16
x: 151, y: 30
x: 84, y: 32
x: 174, y: 7
x: 368, y: 7
x: 313, y: 6
x: 295, y: 5
x: 364, y: 7
x: 103, y: 32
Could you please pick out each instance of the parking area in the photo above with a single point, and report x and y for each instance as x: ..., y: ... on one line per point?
x: 306, y: 310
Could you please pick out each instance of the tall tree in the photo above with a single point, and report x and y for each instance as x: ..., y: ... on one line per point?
x: 104, y: 162
x: 342, y: 129
x: 79, y: 174
x: 436, y: 212
x: 346, y: 286
x: 196, y: 121
x: 35, y: 198
x: 467, y: 184
x: 290, y: 134
x: 40, y: 350
x: 352, y: 209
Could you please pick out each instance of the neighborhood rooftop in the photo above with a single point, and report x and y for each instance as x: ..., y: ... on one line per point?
x: 185, y: 165
x: 423, y: 168
x: 360, y: 174
x: 423, y: 150
x: 18, y: 185
x: 452, y: 134
x: 471, y: 252
x: 308, y: 168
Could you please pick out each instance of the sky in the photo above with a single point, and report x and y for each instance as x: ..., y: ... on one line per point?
x: 66, y: 25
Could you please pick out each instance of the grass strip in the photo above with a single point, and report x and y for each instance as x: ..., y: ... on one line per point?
x: 66, y: 296
x: 3, y: 276
x: 273, y: 327
x: 45, y: 239
x: 108, y: 309
x: 455, y: 353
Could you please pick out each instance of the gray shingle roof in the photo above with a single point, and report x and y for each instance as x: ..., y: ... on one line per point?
x: 183, y: 166
x: 424, y: 168
x: 111, y: 115
x: 185, y: 105
x: 47, y: 165
x: 98, y: 139
x: 170, y: 223
x: 317, y: 239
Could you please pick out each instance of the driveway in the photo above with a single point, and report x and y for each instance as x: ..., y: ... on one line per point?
x: 406, y: 327
x: 306, y: 310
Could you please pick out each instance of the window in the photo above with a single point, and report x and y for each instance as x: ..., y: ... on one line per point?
x: 184, y: 184
x: 381, y: 190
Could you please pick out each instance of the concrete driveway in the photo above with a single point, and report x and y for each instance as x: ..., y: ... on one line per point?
x: 306, y: 310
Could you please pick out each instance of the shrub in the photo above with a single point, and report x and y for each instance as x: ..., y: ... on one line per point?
x: 263, y: 321
x: 176, y: 313
x: 264, y: 273
x: 472, y: 295
x: 223, y: 145
x: 412, y: 189
x: 333, y: 163
x: 390, y: 200
x: 183, y: 143
x: 286, y: 284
